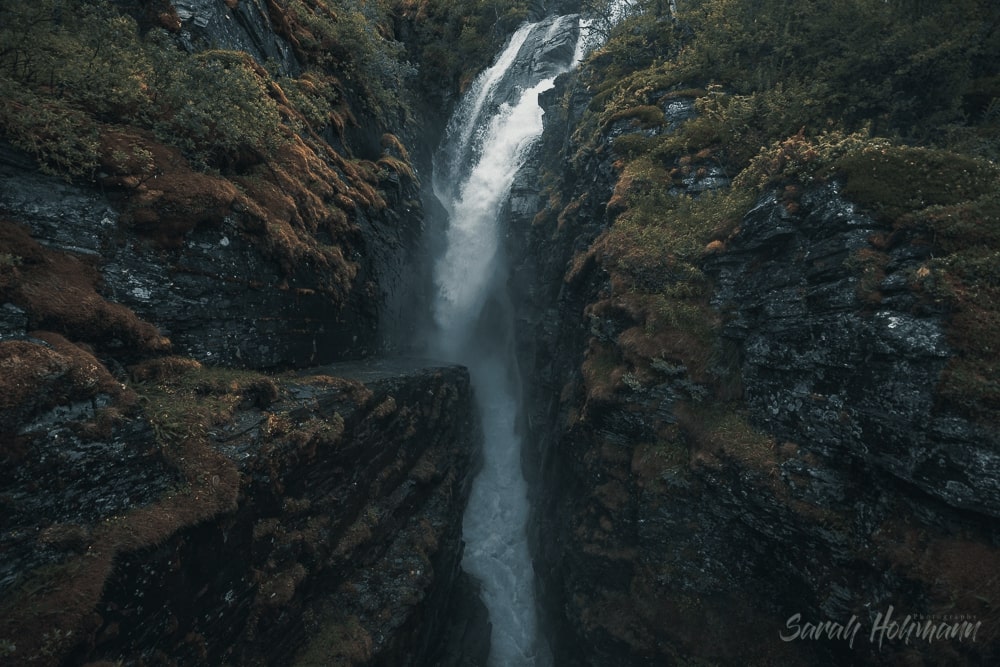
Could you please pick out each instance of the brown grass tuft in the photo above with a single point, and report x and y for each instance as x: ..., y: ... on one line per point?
x: 57, y: 290
x: 34, y: 378
x: 158, y: 370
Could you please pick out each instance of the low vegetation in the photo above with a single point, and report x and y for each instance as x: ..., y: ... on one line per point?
x: 102, y: 92
x: 899, y: 101
x: 452, y: 40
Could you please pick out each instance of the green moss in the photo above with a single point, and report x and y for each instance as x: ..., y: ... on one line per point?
x: 341, y: 641
x: 213, y: 128
x: 716, y: 428
x: 353, y: 38
x: 630, y: 146
x: 63, y: 138
x: 959, y: 226
x: 668, y: 453
x: 970, y: 383
x: 802, y: 160
x: 784, y: 97
x: 644, y: 116
x: 453, y: 39
x: 79, y: 64
x: 184, y: 400
x: 964, y: 279
x: 896, y: 180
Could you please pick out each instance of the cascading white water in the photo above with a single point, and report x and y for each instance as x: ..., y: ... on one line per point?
x: 487, y: 141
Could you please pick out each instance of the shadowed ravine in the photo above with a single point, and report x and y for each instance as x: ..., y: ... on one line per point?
x: 488, y: 139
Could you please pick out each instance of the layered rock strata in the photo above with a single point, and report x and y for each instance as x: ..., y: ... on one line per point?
x: 817, y: 478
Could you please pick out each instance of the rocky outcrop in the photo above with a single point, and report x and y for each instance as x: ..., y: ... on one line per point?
x: 806, y: 322
x: 163, y: 504
x: 818, y: 478
x: 217, y: 292
x: 311, y: 515
x: 239, y: 26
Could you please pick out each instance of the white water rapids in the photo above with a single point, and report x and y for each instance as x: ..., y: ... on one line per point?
x: 488, y: 139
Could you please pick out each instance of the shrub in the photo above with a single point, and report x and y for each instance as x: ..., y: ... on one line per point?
x: 355, y: 40
x: 894, y: 180
x: 454, y: 39
x: 63, y: 138
x: 804, y: 159
x: 214, y: 106
x: 81, y: 63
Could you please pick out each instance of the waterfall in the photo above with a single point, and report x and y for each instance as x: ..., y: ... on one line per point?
x: 488, y: 139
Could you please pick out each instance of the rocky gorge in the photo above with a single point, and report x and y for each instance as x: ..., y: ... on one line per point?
x: 186, y: 479
x: 771, y: 480
x: 757, y: 336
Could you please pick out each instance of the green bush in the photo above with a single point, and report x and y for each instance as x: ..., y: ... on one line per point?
x: 76, y: 64
x: 452, y: 40
x: 896, y: 99
x: 212, y: 105
x: 64, y: 139
x: 354, y: 39
x: 895, y: 180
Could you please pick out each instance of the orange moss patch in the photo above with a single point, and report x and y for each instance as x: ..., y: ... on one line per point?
x: 300, y: 198
x: 158, y: 370
x: 355, y: 392
x: 300, y: 201
x: 57, y: 290
x: 174, y: 203
x: 398, y: 166
x: 167, y: 197
x: 393, y: 146
x: 86, y: 370
x: 961, y: 572
x: 570, y: 211
x: 676, y: 330
x: 34, y: 378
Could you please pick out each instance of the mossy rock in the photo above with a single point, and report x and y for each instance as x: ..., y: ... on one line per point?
x: 896, y: 180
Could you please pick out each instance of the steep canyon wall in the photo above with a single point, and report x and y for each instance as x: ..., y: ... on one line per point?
x: 699, y: 496
x: 185, y: 478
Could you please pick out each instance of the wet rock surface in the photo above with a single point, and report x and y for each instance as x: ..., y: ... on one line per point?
x: 160, y: 503
x: 668, y: 530
x: 855, y: 379
x: 244, y: 27
x: 175, y: 510
x: 218, y: 297
x: 321, y: 518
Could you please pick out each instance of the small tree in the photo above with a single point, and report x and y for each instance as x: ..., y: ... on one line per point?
x: 604, y: 15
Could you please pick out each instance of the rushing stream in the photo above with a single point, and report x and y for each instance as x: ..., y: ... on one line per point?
x: 488, y: 139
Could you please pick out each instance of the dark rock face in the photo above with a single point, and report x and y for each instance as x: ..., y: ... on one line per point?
x: 219, y: 297
x: 860, y: 498
x: 158, y: 511
x: 245, y: 27
x: 855, y: 379
x: 321, y: 519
